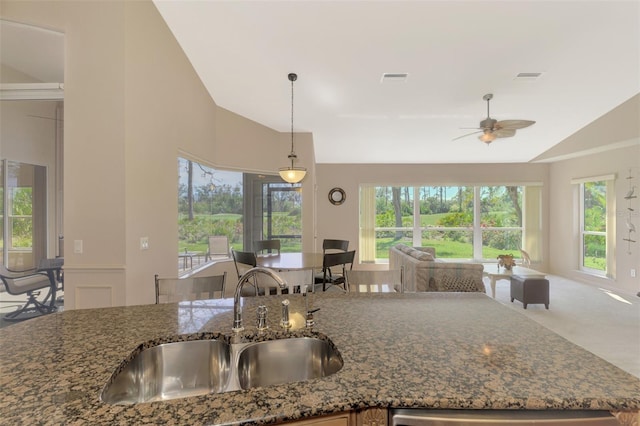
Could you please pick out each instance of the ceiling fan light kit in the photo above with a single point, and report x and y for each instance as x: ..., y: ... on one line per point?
x: 487, y: 137
x: 492, y: 129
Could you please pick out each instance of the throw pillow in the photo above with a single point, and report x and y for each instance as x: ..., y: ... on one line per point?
x: 421, y: 255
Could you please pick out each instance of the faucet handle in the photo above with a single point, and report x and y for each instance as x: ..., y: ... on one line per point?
x: 262, y: 317
x: 310, y: 322
x: 285, y: 323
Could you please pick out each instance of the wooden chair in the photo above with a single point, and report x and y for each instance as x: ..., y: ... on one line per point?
x: 340, y: 262
x: 218, y: 247
x: 388, y: 281
x: 270, y: 246
x: 170, y: 290
x: 29, y: 282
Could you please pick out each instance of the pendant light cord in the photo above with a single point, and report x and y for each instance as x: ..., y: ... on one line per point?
x: 292, y: 77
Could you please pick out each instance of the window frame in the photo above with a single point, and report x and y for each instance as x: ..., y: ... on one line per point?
x: 583, y: 232
x: 369, y: 230
x: 610, y: 215
x: 255, y: 192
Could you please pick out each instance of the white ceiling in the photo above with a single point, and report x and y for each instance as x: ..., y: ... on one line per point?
x: 454, y: 53
x: 36, y: 52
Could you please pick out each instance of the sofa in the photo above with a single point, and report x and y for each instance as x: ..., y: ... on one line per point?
x: 423, y: 272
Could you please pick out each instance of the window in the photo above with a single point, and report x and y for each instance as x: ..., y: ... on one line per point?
x: 245, y: 207
x: 23, y: 214
x: 210, y: 202
x: 446, y: 220
x: 500, y: 220
x: 593, y: 226
x: 461, y: 222
x: 282, y: 214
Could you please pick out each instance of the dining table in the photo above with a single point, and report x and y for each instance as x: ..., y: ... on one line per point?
x: 291, y: 261
x: 295, y: 266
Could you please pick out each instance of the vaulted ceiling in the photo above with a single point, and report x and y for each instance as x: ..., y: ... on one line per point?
x: 587, y: 54
x: 454, y: 52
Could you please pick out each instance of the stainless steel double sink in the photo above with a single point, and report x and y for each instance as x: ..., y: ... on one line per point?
x: 199, y: 367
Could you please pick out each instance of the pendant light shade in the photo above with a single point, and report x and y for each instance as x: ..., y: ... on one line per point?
x: 291, y: 173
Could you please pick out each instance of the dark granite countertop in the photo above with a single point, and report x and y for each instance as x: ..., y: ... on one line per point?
x: 430, y: 350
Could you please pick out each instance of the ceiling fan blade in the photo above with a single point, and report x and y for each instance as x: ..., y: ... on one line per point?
x: 504, y: 133
x: 514, y: 124
x: 468, y: 134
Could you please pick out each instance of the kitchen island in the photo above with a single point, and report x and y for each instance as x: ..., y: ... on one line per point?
x: 426, y: 350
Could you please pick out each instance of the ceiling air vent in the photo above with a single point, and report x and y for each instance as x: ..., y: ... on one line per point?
x: 528, y: 75
x: 394, y: 77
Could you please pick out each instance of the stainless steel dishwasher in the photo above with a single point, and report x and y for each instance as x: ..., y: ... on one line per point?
x: 419, y: 417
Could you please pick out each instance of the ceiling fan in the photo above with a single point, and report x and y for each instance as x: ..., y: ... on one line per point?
x: 492, y: 128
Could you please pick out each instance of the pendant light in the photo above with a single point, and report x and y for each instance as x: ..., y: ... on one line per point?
x: 292, y: 174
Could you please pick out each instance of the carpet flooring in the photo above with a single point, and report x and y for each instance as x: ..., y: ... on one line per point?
x: 603, y: 322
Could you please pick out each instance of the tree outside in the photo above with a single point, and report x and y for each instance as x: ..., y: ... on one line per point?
x: 447, y: 219
x: 595, y: 225
x: 211, y: 202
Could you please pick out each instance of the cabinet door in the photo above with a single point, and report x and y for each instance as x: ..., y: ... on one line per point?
x: 372, y: 417
x: 342, y: 419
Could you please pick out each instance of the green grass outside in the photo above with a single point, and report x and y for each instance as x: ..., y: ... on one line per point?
x: 431, y: 219
x: 202, y: 246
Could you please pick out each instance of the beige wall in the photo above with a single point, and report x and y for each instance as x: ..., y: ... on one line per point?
x: 27, y: 137
x: 564, y: 251
x: 609, y: 145
x: 133, y: 104
x: 342, y: 221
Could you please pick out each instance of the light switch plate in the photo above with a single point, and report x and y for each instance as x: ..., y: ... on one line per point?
x: 144, y: 243
x: 77, y: 246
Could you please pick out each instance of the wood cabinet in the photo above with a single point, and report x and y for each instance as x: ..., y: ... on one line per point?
x: 342, y: 419
x: 365, y: 417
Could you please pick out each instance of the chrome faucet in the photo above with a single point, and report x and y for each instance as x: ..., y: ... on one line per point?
x: 237, y: 309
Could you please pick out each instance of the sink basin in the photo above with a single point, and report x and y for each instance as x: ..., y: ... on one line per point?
x: 200, y: 367
x: 172, y: 370
x: 287, y: 360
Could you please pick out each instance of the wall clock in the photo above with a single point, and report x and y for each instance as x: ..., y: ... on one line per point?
x: 337, y: 196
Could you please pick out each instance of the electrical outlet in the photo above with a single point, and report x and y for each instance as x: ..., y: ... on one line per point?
x: 77, y: 246
x: 633, y: 273
x: 144, y: 243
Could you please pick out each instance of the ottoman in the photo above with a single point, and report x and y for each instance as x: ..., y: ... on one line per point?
x: 530, y: 290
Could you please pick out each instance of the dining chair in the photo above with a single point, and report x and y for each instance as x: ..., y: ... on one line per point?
x: 170, y: 290
x: 270, y: 246
x: 245, y: 260
x: 388, y: 281
x: 29, y: 282
x: 218, y: 247
x: 341, y: 262
x: 331, y: 246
